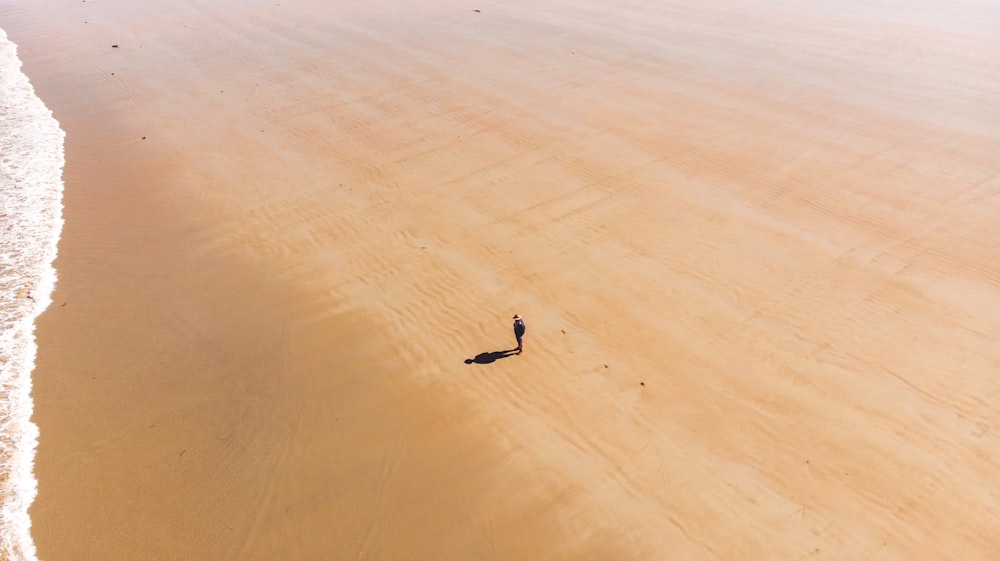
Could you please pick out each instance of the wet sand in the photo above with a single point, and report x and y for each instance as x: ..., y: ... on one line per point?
x: 755, y: 248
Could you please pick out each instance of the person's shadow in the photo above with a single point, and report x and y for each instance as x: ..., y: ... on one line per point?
x: 486, y: 358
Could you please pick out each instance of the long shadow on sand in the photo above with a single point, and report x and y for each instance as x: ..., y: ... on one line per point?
x: 486, y: 358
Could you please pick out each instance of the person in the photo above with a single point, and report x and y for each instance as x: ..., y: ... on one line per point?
x: 519, y: 332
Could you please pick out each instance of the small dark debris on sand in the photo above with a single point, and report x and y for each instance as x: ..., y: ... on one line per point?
x: 643, y: 384
x: 114, y: 46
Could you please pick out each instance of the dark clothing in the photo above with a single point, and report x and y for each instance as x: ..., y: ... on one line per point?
x: 519, y: 333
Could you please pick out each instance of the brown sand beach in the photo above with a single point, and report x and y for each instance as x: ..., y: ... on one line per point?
x: 755, y: 246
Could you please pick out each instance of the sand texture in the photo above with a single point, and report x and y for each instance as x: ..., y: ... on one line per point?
x: 755, y: 245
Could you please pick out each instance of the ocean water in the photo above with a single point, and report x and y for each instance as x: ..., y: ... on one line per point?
x: 31, y: 162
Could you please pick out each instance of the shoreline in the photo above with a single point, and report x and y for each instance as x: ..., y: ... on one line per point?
x: 31, y: 221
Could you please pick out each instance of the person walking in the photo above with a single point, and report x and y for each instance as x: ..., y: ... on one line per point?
x: 519, y: 332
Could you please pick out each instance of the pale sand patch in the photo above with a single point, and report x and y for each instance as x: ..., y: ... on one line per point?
x: 755, y: 248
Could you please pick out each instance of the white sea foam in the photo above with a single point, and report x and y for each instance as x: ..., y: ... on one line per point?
x: 31, y: 162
